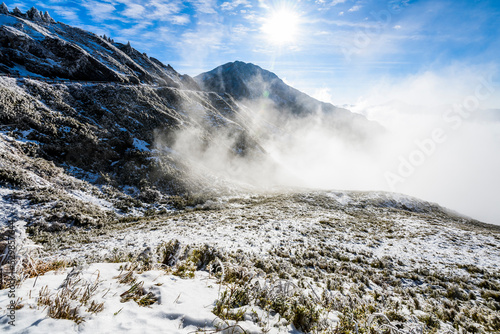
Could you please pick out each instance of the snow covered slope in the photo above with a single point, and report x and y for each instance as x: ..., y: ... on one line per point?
x: 34, y: 44
x: 322, y: 261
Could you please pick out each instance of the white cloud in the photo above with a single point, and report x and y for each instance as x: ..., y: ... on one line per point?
x: 231, y: 5
x: 322, y: 33
x: 180, y: 19
x: 323, y: 95
x: 134, y: 11
x: 133, y: 31
x: 460, y: 173
x: 337, y: 2
x: 239, y: 32
x: 162, y: 10
x: 331, y: 3
x: 397, y: 27
x: 71, y: 15
x: 341, y: 13
x: 100, y: 11
x: 205, y: 6
x: 22, y: 6
x: 344, y: 23
x: 434, y: 88
x: 197, y: 45
x: 355, y: 8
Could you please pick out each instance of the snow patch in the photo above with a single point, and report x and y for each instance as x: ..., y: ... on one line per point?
x: 141, y: 145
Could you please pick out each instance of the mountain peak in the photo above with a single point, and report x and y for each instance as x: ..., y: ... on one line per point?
x: 240, y: 80
x: 4, y: 9
x: 33, y: 14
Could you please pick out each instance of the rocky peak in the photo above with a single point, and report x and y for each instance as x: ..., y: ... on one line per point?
x: 4, y: 9
x: 47, y: 18
x: 247, y: 82
x: 17, y: 12
x: 127, y: 48
x: 34, y: 14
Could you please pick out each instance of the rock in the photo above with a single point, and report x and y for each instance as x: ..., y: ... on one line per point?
x: 34, y: 15
x: 47, y: 18
x: 17, y: 12
x: 71, y: 53
x: 4, y: 9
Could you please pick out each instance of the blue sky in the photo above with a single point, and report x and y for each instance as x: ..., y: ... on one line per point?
x: 339, y: 47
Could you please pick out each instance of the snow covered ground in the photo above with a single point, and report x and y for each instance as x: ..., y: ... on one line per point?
x: 331, y: 247
x: 184, y: 305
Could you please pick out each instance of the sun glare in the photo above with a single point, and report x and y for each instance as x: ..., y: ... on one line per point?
x: 281, y: 27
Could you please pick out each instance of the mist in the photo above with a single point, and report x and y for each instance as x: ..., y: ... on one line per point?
x: 440, y: 143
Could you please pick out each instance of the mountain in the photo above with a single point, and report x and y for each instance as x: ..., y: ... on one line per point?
x: 85, y: 120
x: 34, y: 44
x: 249, y: 83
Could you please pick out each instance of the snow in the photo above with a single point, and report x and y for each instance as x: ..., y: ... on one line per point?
x: 183, y: 306
x: 82, y: 174
x: 343, y: 199
x: 88, y: 198
x: 23, y: 72
x: 233, y: 228
x: 141, y: 145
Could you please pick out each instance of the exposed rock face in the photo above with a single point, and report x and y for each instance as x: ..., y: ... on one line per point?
x: 34, y: 15
x: 17, y: 12
x: 47, y: 18
x: 33, y: 44
x: 117, y: 137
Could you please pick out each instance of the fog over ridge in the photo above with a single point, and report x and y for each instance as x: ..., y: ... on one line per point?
x: 441, y: 126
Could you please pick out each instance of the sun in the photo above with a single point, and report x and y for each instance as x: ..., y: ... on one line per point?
x: 281, y: 27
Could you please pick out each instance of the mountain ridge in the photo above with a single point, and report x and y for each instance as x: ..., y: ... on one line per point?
x: 34, y: 43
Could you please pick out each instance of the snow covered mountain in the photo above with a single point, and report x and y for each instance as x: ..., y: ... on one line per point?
x: 34, y: 44
x: 104, y: 114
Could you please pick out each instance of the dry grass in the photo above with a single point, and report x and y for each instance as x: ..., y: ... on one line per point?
x: 73, y: 294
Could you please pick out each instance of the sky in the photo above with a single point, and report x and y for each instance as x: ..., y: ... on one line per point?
x: 332, y: 49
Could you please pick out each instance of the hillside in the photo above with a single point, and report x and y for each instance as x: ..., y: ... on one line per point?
x: 323, y: 261
x: 80, y: 107
x: 33, y: 44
